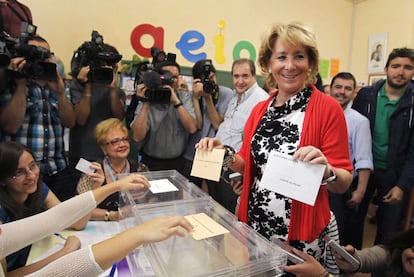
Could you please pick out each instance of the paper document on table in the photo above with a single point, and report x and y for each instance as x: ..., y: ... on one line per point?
x: 95, y: 231
x: 208, y: 164
x: 205, y: 226
x: 161, y: 185
x: 295, y: 179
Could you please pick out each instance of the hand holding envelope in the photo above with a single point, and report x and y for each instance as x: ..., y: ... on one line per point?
x: 208, y: 164
x: 295, y: 179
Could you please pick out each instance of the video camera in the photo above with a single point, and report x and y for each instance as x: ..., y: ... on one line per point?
x: 154, y: 78
x: 154, y: 81
x: 96, y: 54
x: 204, y: 71
x: 159, y: 56
x: 35, y: 66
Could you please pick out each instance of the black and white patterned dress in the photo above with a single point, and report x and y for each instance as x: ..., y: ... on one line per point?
x: 269, y: 212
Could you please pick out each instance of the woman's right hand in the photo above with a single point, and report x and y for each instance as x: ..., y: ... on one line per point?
x: 237, y: 186
x: 97, y: 178
x: 209, y: 143
x: 342, y: 263
x: 134, y: 182
x: 163, y: 227
x: 72, y: 244
x: 310, y: 268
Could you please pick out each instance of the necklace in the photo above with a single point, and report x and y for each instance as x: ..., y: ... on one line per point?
x: 116, y: 171
x: 112, y: 171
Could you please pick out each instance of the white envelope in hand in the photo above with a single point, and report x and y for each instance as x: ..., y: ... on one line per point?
x: 295, y: 179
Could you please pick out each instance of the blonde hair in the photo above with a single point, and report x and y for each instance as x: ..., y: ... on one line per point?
x: 293, y: 34
x: 105, y: 127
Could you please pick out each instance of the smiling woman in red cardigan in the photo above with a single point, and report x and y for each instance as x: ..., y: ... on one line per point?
x: 297, y: 120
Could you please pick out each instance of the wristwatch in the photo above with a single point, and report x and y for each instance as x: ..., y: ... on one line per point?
x: 331, y: 178
x: 228, y: 158
x: 178, y: 104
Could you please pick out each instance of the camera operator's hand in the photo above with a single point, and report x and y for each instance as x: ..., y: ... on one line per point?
x: 174, y: 98
x: 17, y: 64
x: 197, y: 89
x: 114, y: 82
x: 57, y: 85
x: 83, y: 74
x: 140, y: 90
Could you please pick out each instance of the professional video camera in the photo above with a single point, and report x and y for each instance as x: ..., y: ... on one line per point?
x: 154, y: 80
x: 35, y: 66
x: 97, y: 55
x: 204, y: 71
x: 159, y: 56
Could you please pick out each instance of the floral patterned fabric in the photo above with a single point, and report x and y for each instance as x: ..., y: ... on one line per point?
x: 269, y: 213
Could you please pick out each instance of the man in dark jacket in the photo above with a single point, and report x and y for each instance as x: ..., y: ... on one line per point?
x: 389, y: 107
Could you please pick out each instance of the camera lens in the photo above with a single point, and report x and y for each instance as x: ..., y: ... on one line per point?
x: 209, y: 86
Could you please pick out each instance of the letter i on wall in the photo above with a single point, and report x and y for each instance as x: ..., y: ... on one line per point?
x: 218, y: 41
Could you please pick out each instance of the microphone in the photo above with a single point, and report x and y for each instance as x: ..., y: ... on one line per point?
x: 152, y: 80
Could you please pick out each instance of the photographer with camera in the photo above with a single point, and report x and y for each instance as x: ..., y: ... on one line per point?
x: 95, y: 95
x: 210, y: 102
x: 33, y: 111
x: 162, y: 125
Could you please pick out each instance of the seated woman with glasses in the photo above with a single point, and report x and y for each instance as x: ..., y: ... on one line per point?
x: 23, y: 194
x: 112, y: 137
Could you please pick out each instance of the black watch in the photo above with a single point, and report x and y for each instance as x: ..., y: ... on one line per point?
x: 179, y: 104
x: 228, y: 158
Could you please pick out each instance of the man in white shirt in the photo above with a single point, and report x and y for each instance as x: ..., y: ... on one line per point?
x: 230, y: 131
x: 346, y: 206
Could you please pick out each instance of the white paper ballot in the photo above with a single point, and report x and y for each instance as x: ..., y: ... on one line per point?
x: 208, y: 164
x: 83, y: 166
x: 295, y: 179
x: 162, y: 185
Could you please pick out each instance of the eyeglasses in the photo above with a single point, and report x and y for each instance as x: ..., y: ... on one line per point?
x: 118, y: 141
x: 20, y: 172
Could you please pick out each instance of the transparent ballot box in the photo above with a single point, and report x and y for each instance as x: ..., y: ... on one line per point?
x: 223, y: 247
x: 166, y: 186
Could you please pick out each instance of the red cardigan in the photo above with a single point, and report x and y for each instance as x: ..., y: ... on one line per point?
x: 324, y: 127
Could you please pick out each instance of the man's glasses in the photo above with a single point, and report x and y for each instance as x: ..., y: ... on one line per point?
x: 117, y: 141
x: 20, y: 172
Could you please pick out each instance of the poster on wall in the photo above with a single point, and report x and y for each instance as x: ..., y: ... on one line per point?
x: 377, y: 51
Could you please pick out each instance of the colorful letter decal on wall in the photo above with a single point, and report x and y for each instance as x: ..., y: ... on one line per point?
x: 157, y: 34
x: 218, y: 41
x: 244, y: 45
x: 191, y: 41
